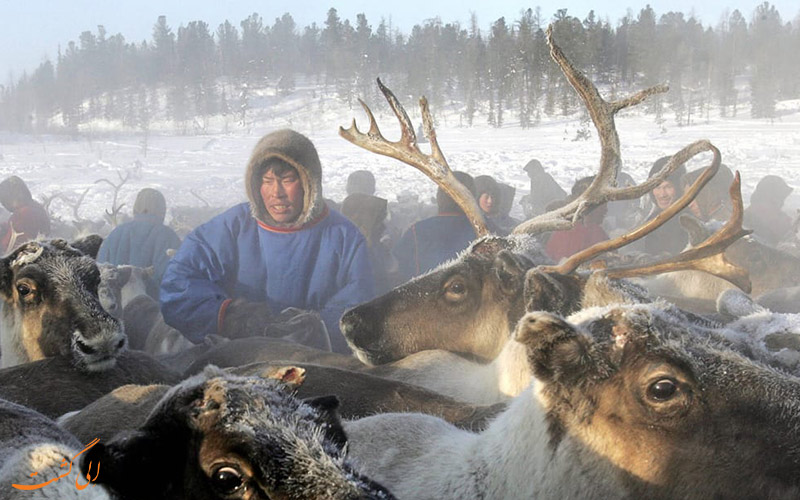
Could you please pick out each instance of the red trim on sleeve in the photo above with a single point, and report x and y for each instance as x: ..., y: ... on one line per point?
x: 221, y: 314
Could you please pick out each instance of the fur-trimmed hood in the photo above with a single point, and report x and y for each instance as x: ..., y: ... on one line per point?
x: 298, y: 151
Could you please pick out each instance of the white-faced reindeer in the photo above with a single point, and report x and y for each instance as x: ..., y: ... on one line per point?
x: 470, y: 304
x: 627, y: 402
x: 50, y: 306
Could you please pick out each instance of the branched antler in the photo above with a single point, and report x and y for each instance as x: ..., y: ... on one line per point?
x: 602, y: 189
x: 115, y: 209
x: 709, y: 255
x: 407, y: 150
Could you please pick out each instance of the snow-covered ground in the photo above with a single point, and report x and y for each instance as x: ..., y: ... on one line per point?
x: 211, y: 166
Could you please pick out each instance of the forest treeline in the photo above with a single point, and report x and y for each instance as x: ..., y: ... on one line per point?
x: 195, y: 71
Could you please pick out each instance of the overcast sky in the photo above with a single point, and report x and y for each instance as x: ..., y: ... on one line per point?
x: 33, y: 29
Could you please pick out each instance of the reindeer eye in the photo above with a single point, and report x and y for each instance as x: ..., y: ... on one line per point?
x: 662, y: 390
x: 455, y: 290
x: 226, y: 480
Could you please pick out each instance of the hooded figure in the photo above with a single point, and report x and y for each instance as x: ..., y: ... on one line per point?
x: 713, y: 201
x: 369, y: 213
x: 145, y: 240
x: 360, y: 181
x: 765, y: 215
x: 28, y: 218
x: 282, y: 249
x: 670, y: 238
x: 544, y: 189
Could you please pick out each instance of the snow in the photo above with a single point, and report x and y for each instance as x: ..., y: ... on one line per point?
x: 210, y: 165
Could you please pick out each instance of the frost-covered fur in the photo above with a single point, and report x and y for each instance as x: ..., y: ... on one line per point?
x: 769, y: 336
x: 30, y: 442
x: 216, y: 435
x: 627, y: 403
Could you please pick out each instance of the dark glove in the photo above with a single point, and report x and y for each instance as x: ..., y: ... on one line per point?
x: 303, y: 327
x: 245, y: 319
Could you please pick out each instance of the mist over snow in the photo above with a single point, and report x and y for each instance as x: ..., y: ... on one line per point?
x: 193, y: 168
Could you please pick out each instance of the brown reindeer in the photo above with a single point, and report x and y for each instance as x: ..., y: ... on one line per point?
x: 628, y: 401
x: 50, y: 306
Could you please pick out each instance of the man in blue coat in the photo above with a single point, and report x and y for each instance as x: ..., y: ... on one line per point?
x: 283, y: 249
x: 145, y: 240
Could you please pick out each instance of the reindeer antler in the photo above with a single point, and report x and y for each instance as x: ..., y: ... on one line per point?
x: 709, y: 255
x: 407, y: 150
x: 115, y: 209
x: 602, y: 189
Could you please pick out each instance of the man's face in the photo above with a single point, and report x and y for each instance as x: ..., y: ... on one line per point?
x: 664, y: 194
x: 486, y: 201
x: 282, y: 195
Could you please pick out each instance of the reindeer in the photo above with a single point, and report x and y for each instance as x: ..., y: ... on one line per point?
x: 216, y: 435
x: 50, y: 306
x: 773, y: 273
x: 52, y: 386
x: 627, y: 401
x: 470, y: 304
x: 359, y: 395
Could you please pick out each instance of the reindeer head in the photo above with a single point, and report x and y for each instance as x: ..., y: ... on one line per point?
x: 468, y: 305
x: 50, y: 306
x: 676, y: 414
x: 218, y: 436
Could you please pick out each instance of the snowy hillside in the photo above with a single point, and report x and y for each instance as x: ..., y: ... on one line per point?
x: 211, y: 165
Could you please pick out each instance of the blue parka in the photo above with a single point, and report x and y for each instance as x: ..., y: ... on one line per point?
x: 319, y: 263
x: 142, y: 242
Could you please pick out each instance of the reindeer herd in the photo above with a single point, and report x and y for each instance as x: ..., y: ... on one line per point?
x: 497, y: 375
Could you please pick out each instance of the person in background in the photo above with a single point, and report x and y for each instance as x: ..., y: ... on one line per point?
x: 765, y: 215
x: 369, y: 213
x: 713, y: 201
x: 486, y: 193
x: 28, y: 219
x: 670, y: 238
x: 586, y: 232
x: 434, y: 240
x: 505, y: 200
x: 544, y: 189
x: 145, y: 241
x: 283, y: 250
x: 360, y: 181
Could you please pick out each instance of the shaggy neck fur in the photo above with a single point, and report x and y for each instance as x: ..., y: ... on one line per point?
x: 422, y: 457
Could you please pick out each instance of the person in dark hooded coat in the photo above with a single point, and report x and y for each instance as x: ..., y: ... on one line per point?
x: 670, y: 238
x: 765, y: 215
x: 282, y: 250
x: 544, y: 190
x: 145, y: 240
x: 369, y: 213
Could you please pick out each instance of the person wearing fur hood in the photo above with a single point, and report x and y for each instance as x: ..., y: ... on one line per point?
x: 284, y: 249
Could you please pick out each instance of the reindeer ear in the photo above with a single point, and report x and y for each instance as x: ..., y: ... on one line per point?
x: 509, y: 271
x: 698, y: 232
x: 89, y: 245
x: 556, y: 350
x: 489, y: 246
x: 549, y: 292
x: 292, y: 376
x: 329, y: 409
x: 131, y: 456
